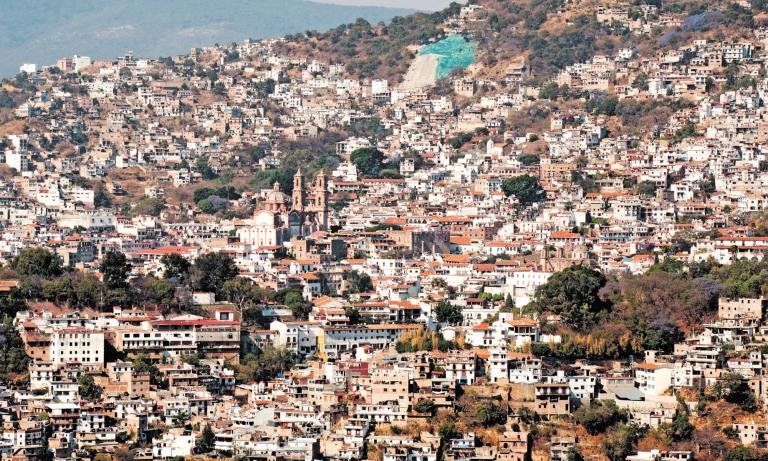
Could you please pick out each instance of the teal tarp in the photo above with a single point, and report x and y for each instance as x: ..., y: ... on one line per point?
x: 454, y: 51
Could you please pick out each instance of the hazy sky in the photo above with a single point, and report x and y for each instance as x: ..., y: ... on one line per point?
x: 415, y: 4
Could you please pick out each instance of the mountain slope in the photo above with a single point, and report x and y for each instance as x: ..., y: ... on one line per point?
x: 42, y: 31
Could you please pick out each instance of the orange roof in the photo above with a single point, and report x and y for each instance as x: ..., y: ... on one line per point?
x: 448, y: 219
x: 179, y: 250
x: 485, y: 267
x: 564, y: 235
x: 322, y: 300
x: 456, y: 258
x: 523, y: 322
x: 457, y: 240
x: 648, y: 366
x: 500, y: 244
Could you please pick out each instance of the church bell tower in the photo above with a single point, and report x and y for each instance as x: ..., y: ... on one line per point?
x: 321, y: 200
x: 298, y: 191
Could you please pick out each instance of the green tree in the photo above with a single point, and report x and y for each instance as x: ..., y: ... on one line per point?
x: 211, y: 271
x: 150, y: 206
x: 266, y: 365
x: 574, y: 454
x: 647, y: 188
x: 12, y: 303
x: 192, y: 359
x: 743, y: 278
x: 660, y: 306
x: 115, y: 270
x: 87, y: 387
x: 353, y: 314
x: 141, y: 365
x: 101, y: 198
x: 264, y: 88
x: 152, y: 290
x: 680, y: 428
x: 206, y: 206
x: 622, y: 441
x: 6, y: 101
x: 359, y: 282
x: 439, y: 283
x: 732, y: 388
x: 425, y: 406
x: 37, y: 261
x: 207, y: 440
x: 572, y: 293
x: 509, y: 304
x: 489, y: 414
x: 369, y: 161
x: 688, y: 131
x: 641, y: 82
x: 176, y: 266
x: 448, y: 431
x: 457, y: 142
x: 446, y: 312
x: 529, y: 160
x: 13, y: 357
x: 86, y: 290
x: 550, y: 91
x: 205, y: 170
x: 525, y: 188
x: 244, y: 294
x: 299, y: 307
x: 742, y: 453
x: 599, y: 416
x: 203, y: 193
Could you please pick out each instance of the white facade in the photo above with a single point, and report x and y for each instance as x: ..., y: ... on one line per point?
x: 653, y: 379
x: 77, y: 345
x: 171, y: 446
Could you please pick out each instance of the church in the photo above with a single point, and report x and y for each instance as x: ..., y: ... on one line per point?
x: 282, y: 217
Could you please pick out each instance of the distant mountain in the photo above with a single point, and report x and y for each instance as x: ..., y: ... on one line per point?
x: 41, y: 31
x: 424, y: 5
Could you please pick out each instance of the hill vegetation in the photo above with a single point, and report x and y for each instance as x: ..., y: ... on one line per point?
x: 106, y: 29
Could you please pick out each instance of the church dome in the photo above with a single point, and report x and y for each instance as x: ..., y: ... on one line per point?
x: 276, y: 195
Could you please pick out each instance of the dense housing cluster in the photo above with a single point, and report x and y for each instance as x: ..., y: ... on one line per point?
x: 291, y: 250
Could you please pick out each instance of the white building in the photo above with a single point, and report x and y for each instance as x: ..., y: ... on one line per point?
x: 653, y: 378
x: 77, y: 345
x: 299, y: 337
x: 29, y: 68
x: 173, y: 445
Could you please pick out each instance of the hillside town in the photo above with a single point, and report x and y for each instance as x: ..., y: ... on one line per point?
x: 257, y: 252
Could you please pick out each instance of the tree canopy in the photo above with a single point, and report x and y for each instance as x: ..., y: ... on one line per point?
x: 207, y: 440
x: 245, y: 294
x: 211, y: 271
x: 525, y: 188
x: 37, y: 261
x: 115, y: 269
x: 599, y: 416
x: 369, y: 161
x: 445, y: 312
x: 573, y: 293
x: 359, y: 282
x: 87, y: 387
x: 13, y: 357
x: 176, y: 266
x: 266, y: 364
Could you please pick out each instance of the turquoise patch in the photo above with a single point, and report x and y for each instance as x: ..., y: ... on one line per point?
x: 454, y: 51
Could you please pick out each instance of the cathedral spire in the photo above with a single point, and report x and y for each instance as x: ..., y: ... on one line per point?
x: 321, y: 200
x: 298, y: 191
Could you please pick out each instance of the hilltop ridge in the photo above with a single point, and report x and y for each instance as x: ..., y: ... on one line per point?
x: 42, y: 31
